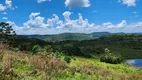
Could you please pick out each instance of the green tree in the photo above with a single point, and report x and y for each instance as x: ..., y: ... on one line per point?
x: 7, y: 34
x: 70, y: 50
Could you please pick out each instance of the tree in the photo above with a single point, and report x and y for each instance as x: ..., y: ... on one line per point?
x: 70, y: 50
x: 7, y: 34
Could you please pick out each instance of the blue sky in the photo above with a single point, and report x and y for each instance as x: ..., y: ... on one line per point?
x: 76, y: 16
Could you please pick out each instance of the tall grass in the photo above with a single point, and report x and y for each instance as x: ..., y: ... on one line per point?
x: 24, y: 66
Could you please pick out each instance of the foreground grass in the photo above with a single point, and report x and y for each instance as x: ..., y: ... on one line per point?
x: 23, y: 66
x: 93, y: 69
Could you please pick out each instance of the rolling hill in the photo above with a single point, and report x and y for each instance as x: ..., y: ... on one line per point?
x: 68, y: 36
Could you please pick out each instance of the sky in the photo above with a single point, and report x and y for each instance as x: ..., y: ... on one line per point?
x: 72, y: 16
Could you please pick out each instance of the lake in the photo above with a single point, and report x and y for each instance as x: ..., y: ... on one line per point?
x: 135, y: 63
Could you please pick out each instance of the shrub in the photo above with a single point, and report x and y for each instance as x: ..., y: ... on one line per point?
x: 111, y: 58
x: 47, y: 50
x: 35, y: 49
x: 58, y: 54
x: 67, y: 59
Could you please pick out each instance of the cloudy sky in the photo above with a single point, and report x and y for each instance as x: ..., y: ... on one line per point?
x: 76, y: 16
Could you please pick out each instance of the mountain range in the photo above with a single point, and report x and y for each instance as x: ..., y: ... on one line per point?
x: 70, y: 36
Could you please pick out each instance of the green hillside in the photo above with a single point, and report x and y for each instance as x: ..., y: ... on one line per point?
x: 68, y: 36
x: 128, y: 45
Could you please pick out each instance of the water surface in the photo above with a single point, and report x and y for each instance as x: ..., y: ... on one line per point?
x: 135, y: 63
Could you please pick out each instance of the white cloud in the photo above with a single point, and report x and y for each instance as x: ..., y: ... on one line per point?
x: 67, y: 15
x: 14, y: 26
x: 35, y: 21
x: 139, y: 24
x: 77, y: 3
x: 2, y: 7
x: 5, y: 18
x: 4, y: 13
x: 108, y: 25
x: 54, y: 25
x: 41, y: 1
x: 8, y: 5
x: 32, y: 15
x: 78, y: 25
x: 135, y: 12
x: 55, y: 21
x: 122, y: 24
x: 128, y: 2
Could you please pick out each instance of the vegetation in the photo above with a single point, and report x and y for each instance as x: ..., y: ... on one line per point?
x: 126, y: 45
x: 7, y: 35
x: 23, y: 66
x: 110, y: 57
x: 67, y: 59
x: 35, y: 49
x: 22, y: 43
x: 98, y: 59
x: 68, y: 36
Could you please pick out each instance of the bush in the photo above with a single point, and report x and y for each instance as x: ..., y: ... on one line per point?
x: 111, y: 58
x: 35, y: 49
x: 67, y: 59
x: 47, y: 50
x: 58, y: 54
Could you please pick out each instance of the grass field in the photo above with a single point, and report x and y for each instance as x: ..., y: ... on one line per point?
x: 23, y: 66
x: 93, y: 69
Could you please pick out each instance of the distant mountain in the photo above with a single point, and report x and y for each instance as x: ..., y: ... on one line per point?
x: 100, y: 34
x: 68, y: 36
